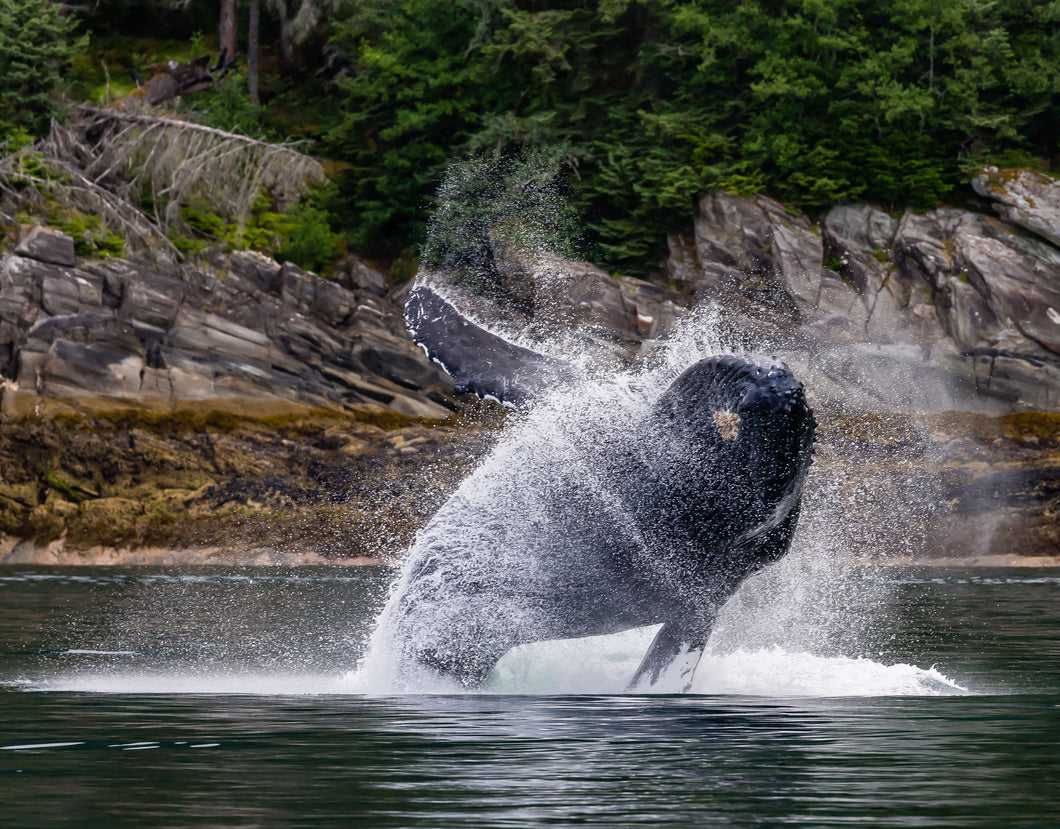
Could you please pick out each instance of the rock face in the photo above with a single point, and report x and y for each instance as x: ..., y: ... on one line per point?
x: 999, y: 485
x: 946, y: 310
x: 1025, y: 197
x: 47, y: 245
x: 246, y: 334
x: 240, y: 410
x: 242, y: 334
x: 930, y: 345
x: 884, y: 317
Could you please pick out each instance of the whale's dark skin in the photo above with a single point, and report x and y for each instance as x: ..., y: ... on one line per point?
x: 479, y: 362
x: 662, y: 529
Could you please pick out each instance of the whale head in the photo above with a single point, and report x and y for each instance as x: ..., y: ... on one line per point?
x: 732, y: 441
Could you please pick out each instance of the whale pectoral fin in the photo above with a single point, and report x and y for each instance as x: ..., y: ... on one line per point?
x: 478, y: 360
x: 670, y: 663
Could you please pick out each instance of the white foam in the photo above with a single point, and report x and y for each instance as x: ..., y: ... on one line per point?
x: 605, y: 664
x: 775, y: 672
x: 592, y: 665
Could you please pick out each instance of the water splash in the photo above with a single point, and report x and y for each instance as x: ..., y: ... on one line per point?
x: 491, y: 253
x: 598, y: 665
x: 809, y: 604
x: 603, y: 665
x: 776, y: 672
x: 803, y: 625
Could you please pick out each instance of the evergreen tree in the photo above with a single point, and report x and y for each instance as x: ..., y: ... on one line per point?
x: 37, y: 41
x: 657, y: 101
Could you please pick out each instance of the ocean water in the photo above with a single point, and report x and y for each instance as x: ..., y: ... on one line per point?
x: 223, y: 697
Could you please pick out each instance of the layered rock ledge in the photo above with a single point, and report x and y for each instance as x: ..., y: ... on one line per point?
x: 133, y: 486
x: 241, y: 333
x: 234, y: 409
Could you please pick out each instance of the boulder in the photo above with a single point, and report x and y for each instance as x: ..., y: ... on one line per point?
x: 20, y: 292
x: 758, y: 259
x: 68, y: 291
x: 70, y: 356
x: 858, y: 238
x: 1024, y: 197
x: 47, y: 245
x: 314, y: 296
x: 394, y: 361
x: 577, y: 295
x: 1018, y: 379
x: 923, y: 247
x: 861, y: 227
x: 796, y: 259
x: 207, y: 335
x: 1021, y: 285
x: 152, y: 300
x: 355, y: 275
x: 734, y: 239
x: 967, y: 316
x: 734, y: 231
x: 261, y: 271
x: 656, y: 308
x: 683, y: 268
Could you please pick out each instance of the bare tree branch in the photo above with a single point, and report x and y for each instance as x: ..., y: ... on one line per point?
x: 138, y: 171
x: 191, y: 126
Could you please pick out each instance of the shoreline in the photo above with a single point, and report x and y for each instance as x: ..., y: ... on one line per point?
x: 1000, y: 560
x: 15, y: 551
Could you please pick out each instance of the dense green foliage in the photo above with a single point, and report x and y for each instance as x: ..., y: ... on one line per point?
x: 641, y: 105
x: 658, y: 101
x: 301, y: 234
x: 36, y: 42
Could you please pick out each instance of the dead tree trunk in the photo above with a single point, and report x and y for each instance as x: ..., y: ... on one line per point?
x: 230, y: 27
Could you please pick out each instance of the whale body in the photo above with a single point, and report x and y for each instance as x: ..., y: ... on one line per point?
x: 660, y: 526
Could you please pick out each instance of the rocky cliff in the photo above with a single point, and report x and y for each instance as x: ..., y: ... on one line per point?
x: 949, y: 309
x: 930, y: 344
x: 239, y: 405
x: 238, y: 333
x: 234, y: 409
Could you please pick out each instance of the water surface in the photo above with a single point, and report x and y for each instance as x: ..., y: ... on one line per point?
x: 141, y: 697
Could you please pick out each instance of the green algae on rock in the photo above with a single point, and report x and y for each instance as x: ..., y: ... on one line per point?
x: 324, y: 484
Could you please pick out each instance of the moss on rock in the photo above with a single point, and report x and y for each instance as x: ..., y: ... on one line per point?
x: 328, y: 482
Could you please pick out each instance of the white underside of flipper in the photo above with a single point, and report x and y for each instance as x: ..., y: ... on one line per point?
x: 676, y: 678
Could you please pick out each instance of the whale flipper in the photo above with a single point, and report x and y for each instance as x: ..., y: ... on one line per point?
x: 479, y: 361
x: 671, y: 661
x: 669, y: 665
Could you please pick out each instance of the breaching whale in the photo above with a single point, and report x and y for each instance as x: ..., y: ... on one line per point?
x: 659, y: 528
